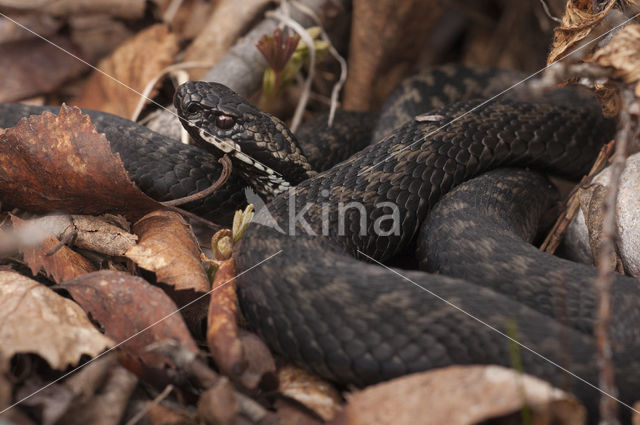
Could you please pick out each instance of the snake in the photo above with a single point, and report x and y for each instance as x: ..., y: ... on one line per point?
x: 312, y: 275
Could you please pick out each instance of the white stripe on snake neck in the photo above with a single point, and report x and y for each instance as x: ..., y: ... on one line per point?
x: 274, y: 179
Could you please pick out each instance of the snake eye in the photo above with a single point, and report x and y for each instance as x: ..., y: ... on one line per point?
x: 191, y: 108
x: 224, y: 122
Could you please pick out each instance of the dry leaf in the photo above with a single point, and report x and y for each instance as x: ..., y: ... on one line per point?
x: 460, y: 395
x: 41, y: 71
x: 309, y: 390
x: 64, y: 264
x: 127, y: 305
x: 579, y: 22
x: 159, y: 414
x: 60, y: 163
x: 168, y: 247
x: 241, y: 356
x: 34, y: 319
x: 622, y: 53
x: 133, y: 65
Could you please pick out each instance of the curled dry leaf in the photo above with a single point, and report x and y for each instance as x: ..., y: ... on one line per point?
x: 127, y: 305
x: 34, y: 319
x: 622, y: 53
x: 168, y: 247
x: 241, y: 356
x: 131, y: 66
x: 580, y: 20
x: 60, y: 163
x: 314, y: 393
x: 41, y: 71
x: 444, y: 396
x: 222, y: 328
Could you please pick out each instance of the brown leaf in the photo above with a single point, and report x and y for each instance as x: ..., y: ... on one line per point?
x: 60, y: 163
x: 622, y: 53
x: 168, y: 247
x: 133, y: 64
x: 40, y: 71
x: 579, y: 22
x: 309, y: 390
x: 34, y: 319
x: 63, y: 264
x: 459, y: 395
x: 127, y: 305
x: 159, y: 414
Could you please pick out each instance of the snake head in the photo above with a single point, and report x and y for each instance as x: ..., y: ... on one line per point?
x: 259, y: 144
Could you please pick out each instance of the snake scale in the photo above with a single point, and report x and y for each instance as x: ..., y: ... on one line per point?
x: 354, y: 321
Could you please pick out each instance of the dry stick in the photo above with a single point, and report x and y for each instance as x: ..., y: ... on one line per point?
x: 545, y: 7
x: 164, y: 394
x: 630, y: 111
x: 224, y: 176
x: 187, y: 361
x: 553, y: 239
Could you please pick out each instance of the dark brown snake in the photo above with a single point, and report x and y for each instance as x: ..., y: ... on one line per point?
x: 356, y: 322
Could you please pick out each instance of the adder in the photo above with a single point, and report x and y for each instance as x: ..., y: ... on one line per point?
x: 325, y: 300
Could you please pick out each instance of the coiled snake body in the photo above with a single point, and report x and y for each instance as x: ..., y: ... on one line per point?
x: 356, y: 322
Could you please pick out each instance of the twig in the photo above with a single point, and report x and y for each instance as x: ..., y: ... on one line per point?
x: 629, y: 112
x: 337, y: 87
x: 187, y: 361
x: 306, y: 89
x: 224, y: 176
x: 164, y: 394
x: 545, y: 7
x: 552, y: 241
